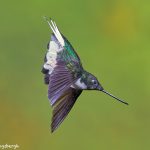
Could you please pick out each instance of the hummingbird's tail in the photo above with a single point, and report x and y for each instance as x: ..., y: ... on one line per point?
x: 114, y: 97
x: 55, y: 30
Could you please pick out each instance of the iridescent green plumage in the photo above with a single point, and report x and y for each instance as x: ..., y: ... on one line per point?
x: 70, y: 50
x: 71, y: 58
x: 69, y: 53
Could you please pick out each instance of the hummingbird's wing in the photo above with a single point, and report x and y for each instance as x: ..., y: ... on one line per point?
x: 63, y: 106
x: 62, y: 65
x: 60, y: 80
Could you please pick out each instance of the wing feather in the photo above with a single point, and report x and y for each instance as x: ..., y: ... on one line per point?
x: 63, y: 107
x: 59, y: 82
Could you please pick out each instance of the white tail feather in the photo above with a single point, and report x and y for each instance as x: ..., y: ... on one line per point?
x: 55, y: 30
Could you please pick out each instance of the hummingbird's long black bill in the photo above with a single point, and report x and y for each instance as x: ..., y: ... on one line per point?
x: 114, y: 97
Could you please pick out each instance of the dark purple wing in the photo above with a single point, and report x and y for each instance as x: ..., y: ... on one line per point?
x: 63, y: 106
x: 59, y: 81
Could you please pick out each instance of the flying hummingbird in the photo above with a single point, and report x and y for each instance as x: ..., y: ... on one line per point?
x: 65, y: 76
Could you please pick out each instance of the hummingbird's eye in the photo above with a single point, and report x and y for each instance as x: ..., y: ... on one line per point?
x: 94, y: 82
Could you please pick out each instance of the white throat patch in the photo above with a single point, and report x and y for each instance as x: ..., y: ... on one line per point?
x: 80, y: 85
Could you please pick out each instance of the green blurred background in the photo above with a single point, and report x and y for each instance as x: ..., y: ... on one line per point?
x: 112, y: 38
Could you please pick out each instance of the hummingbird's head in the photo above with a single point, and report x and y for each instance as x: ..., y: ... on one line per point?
x: 93, y: 83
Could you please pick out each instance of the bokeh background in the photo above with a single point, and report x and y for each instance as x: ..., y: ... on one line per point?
x: 112, y: 38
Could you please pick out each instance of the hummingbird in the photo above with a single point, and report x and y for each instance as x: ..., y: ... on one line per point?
x: 65, y: 76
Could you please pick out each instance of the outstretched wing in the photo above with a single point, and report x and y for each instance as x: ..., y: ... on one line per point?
x: 63, y: 107
x: 59, y: 81
x: 62, y: 65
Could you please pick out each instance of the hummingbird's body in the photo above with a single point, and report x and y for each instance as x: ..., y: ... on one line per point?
x: 65, y: 76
